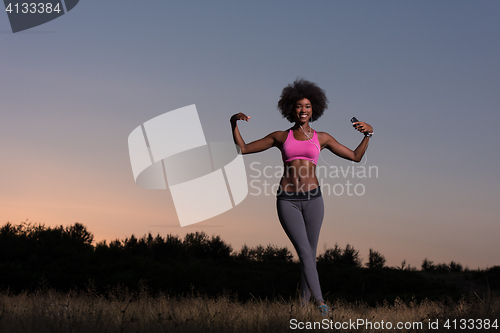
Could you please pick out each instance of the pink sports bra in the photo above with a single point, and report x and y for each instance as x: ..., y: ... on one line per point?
x: 294, y: 149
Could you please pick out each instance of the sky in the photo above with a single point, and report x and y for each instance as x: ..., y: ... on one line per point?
x: 424, y: 74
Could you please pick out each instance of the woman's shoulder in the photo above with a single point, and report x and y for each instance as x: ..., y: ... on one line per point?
x: 324, y: 137
x: 280, y: 136
x: 285, y: 132
x: 323, y: 134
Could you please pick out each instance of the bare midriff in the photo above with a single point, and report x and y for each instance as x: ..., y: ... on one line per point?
x: 299, y: 176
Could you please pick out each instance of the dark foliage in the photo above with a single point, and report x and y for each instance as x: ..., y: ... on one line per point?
x: 428, y: 266
x: 376, y: 260
x: 452, y: 267
x: 269, y: 254
x: 348, y: 257
x: 64, y: 258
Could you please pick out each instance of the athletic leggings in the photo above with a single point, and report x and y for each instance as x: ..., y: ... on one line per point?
x: 301, y: 220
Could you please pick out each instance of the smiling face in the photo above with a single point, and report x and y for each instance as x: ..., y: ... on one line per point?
x: 303, y: 111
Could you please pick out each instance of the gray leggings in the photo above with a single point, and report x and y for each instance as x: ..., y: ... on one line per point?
x: 301, y: 220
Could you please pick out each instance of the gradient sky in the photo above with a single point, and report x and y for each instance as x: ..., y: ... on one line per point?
x: 425, y: 75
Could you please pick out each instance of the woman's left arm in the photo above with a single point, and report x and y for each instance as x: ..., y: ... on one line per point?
x: 342, y: 151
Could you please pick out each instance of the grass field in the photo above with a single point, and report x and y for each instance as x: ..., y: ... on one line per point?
x: 121, y: 311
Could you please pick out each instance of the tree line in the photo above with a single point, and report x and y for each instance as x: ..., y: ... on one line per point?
x: 34, y: 256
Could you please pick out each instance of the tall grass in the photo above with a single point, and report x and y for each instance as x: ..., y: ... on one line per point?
x: 121, y: 311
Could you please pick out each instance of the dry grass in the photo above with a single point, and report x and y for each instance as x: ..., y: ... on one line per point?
x: 120, y: 311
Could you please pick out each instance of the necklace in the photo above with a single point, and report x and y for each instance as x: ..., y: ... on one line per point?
x: 308, y: 135
x: 309, y: 138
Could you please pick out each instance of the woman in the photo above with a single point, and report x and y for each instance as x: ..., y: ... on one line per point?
x: 299, y: 202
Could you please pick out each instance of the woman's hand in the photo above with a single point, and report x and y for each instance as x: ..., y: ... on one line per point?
x: 238, y: 116
x: 255, y: 146
x: 362, y: 127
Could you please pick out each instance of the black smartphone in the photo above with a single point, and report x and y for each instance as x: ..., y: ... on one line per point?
x: 353, y: 120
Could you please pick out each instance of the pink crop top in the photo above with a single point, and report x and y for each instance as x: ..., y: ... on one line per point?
x: 294, y: 149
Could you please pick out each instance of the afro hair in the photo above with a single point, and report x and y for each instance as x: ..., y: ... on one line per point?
x: 301, y: 89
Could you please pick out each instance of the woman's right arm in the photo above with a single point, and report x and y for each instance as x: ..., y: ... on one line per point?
x: 252, y: 147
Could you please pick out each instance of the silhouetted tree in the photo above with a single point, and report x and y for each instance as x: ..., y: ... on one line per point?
x: 456, y: 267
x: 271, y: 253
x: 351, y: 256
x: 219, y: 249
x: 170, y: 247
x: 79, y: 233
x: 244, y: 253
x: 197, y: 244
x: 274, y: 253
x: 428, y: 266
x: 375, y: 260
x: 201, y: 246
x: 347, y: 257
x: 494, y: 270
x: 443, y: 268
x: 331, y: 255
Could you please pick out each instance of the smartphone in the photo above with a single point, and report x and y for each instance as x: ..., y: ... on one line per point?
x: 353, y: 120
